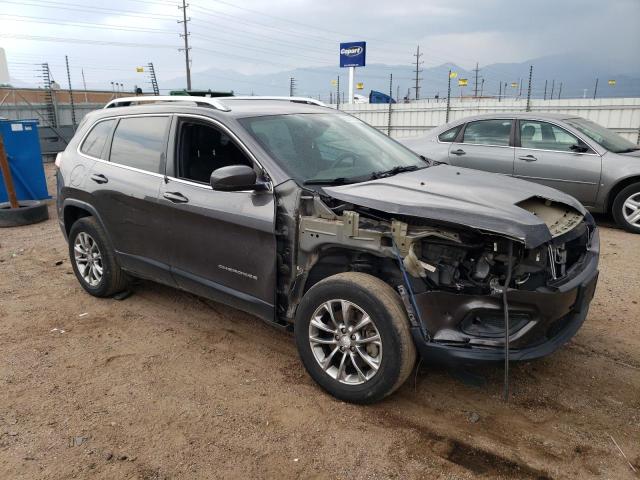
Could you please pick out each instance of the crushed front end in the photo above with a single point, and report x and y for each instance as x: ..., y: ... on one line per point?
x: 452, y: 277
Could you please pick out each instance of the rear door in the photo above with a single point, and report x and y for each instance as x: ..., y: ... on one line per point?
x: 550, y: 155
x: 223, y: 243
x: 125, y: 190
x: 484, y: 145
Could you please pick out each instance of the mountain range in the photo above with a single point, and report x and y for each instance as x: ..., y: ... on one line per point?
x: 576, y: 72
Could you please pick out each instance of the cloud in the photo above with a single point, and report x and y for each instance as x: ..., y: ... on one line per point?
x: 260, y: 36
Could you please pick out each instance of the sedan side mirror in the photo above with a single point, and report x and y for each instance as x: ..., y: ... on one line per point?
x: 580, y: 148
x: 234, y: 178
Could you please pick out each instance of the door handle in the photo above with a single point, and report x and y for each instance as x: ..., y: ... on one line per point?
x: 99, y: 178
x: 176, y: 197
x: 527, y: 158
x: 459, y: 152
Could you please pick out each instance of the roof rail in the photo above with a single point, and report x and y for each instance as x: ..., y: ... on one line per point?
x: 200, y: 101
x: 309, y: 100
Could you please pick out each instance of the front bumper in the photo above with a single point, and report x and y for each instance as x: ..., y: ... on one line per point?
x: 554, y: 316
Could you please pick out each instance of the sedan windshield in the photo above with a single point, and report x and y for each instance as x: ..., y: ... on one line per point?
x: 329, y: 148
x: 605, y: 137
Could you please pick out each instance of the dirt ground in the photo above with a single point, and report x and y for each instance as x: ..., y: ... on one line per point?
x: 167, y: 385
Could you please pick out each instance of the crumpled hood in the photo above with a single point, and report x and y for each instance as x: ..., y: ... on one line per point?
x: 454, y: 195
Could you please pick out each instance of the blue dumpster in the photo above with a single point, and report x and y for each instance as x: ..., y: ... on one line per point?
x: 22, y: 145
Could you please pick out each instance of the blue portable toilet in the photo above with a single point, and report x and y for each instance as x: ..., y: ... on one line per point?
x: 22, y: 145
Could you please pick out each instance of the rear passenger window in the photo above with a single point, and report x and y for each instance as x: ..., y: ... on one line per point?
x: 94, y: 143
x: 488, y: 132
x: 450, y: 135
x: 139, y: 142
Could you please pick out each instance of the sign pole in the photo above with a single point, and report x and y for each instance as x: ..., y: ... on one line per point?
x: 352, y: 71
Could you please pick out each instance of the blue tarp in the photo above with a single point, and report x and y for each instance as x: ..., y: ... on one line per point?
x: 379, y: 97
x: 22, y: 145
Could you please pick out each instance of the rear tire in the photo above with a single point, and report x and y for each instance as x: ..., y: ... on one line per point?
x: 93, y: 259
x: 347, y: 361
x: 626, y: 208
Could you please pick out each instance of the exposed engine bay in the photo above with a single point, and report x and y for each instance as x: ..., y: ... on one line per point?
x: 451, y: 259
x: 455, y: 275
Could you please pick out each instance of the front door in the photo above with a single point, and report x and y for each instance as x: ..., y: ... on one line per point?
x: 224, y: 244
x: 125, y: 186
x: 548, y: 154
x: 484, y: 145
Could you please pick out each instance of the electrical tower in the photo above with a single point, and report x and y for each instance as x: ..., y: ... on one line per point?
x: 48, y: 96
x: 475, y: 84
x: 185, y: 35
x: 417, y: 71
x: 292, y: 87
x: 154, y: 80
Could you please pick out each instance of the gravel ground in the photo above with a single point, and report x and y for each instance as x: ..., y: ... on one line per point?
x: 167, y: 385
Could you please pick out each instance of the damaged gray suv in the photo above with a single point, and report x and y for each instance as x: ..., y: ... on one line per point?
x: 314, y: 221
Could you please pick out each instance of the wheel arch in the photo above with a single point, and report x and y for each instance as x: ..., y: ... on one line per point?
x: 617, y: 188
x: 334, y: 259
x: 73, y: 210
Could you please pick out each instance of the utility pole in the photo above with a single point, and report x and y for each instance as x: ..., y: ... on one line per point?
x: 84, y: 84
x: 529, y: 88
x: 560, y: 91
x: 390, y: 102
x: 417, y: 71
x: 595, y: 90
x: 185, y: 35
x: 481, y: 86
x: 448, y: 98
x: 545, y: 90
x: 500, y: 91
x: 475, y: 83
x: 553, y: 85
x: 73, y: 107
x: 338, y: 93
x: 292, y: 86
x: 520, y: 90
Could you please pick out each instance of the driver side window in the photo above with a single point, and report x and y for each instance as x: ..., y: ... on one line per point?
x: 203, y: 148
x: 546, y: 136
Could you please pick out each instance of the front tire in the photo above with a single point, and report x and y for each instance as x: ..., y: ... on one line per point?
x: 353, y: 337
x: 626, y: 208
x: 93, y: 260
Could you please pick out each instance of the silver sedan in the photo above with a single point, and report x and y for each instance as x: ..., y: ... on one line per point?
x: 595, y: 165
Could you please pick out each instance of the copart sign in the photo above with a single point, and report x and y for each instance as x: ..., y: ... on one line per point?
x: 352, y: 54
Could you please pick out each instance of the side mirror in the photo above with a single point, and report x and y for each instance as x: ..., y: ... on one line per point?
x: 234, y: 178
x: 580, y: 148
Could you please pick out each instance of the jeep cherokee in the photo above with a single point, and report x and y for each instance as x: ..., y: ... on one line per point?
x: 314, y: 221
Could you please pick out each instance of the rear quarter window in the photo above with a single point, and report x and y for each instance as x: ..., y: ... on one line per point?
x: 140, y: 142
x: 450, y: 135
x: 96, y: 140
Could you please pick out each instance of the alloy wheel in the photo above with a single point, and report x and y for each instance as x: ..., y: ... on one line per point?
x: 345, y: 342
x: 88, y: 259
x: 631, y: 209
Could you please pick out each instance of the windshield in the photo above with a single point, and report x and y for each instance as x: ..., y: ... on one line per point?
x: 605, y: 137
x: 330, y: 148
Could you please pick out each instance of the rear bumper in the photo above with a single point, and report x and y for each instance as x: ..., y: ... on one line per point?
x: 555, y: 317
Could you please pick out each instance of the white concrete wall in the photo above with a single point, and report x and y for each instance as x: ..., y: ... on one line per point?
x: 622, y: 115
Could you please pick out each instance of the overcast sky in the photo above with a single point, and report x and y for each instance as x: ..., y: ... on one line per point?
x: 268, y: 36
